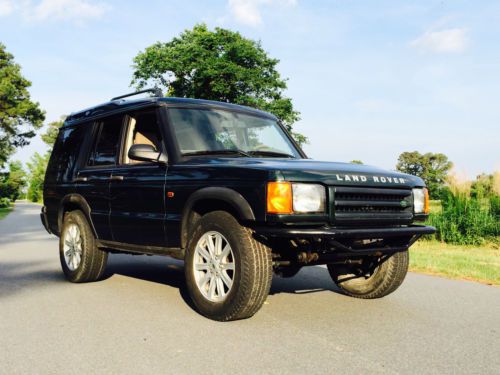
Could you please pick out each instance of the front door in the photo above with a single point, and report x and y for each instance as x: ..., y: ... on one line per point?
x: 137, y: 189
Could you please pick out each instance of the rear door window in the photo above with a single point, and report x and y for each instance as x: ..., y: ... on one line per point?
x: 107, y: 142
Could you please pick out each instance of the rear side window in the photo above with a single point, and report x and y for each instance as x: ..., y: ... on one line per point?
x: 65, y: 153
x: 107, y: 142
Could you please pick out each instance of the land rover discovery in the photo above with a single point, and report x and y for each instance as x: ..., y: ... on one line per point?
x: 226, y: 189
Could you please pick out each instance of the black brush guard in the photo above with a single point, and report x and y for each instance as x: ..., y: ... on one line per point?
x: 338, y: 241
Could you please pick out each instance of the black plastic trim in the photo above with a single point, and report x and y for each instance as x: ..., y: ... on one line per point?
x: 332, y: 232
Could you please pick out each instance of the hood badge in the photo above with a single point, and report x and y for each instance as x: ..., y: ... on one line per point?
x: 379, y: 179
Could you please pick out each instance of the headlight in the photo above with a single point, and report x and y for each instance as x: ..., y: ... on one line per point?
x: 308, y: 198
x: 287, y: 198
x: 420, y: 201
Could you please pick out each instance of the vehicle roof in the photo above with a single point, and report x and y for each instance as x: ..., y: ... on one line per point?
x: 117, y: 106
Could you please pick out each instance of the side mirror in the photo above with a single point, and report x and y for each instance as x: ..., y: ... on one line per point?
x: 143, y: 152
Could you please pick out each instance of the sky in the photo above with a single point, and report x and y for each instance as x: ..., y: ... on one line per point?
x: 371, y: 79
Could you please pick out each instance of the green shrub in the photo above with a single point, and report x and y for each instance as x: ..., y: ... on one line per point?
x: 4, y: 202
x: 495, y: 206
x: 465, y: 220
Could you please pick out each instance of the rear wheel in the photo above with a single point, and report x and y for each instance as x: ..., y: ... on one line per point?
x: 81, y: 259
x: 228, y: 272
x: 375, y: 278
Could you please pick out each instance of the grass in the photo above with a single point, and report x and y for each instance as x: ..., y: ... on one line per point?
x: 480, y: 264
x: 435, y: 206
x: 4, y: 211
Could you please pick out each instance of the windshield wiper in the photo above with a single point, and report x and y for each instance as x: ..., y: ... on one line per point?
x: 218, y: 152
x: 272, y: 154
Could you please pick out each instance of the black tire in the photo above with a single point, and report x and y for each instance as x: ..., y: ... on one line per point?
x: 252, y: 275
x: 386, y: 278
x: 93, y: 260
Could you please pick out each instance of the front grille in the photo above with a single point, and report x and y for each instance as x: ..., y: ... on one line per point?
x: 371, y: 206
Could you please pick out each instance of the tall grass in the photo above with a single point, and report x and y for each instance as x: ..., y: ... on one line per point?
x: 466, y: 220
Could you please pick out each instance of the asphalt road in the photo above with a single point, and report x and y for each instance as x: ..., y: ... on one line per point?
x: 138, y: 320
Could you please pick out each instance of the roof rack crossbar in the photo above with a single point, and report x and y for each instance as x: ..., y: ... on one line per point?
x: 156, y: 91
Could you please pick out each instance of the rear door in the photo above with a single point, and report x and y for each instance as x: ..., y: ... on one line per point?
x: 93, y: 181
x: 137, y: 189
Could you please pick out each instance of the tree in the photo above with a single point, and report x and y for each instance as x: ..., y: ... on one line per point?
x: 19, y: 116
x: 37, y: 167
x: 49, y: 137
x: 432, y: 168
x: 356, y: 161
x: 13, y: 182
x: 217, y: 65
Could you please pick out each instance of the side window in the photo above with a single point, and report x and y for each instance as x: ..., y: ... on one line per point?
x: 143, y: 128
x: 107, y: 142
x: 65, y: 153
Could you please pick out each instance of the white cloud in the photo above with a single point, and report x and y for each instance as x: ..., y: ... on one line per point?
x: 6, y: 7
x: 248, y: 12
x: 77, y: 11
x: 444, y: 41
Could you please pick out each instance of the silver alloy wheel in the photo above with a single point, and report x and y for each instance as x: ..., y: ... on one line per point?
x: 72, y: 246
x: 213, y: 266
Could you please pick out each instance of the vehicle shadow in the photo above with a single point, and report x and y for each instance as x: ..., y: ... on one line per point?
x: 170, y: 272
x: 20, y: 277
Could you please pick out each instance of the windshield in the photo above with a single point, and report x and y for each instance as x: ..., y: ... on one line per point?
x: 200, y: 131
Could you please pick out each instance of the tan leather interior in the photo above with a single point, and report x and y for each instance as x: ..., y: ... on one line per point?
x: 138, y: 136
x: 144, y: 139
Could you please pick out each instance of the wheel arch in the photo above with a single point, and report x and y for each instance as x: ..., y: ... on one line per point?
x: 73, y: 202
x: 213, y: 199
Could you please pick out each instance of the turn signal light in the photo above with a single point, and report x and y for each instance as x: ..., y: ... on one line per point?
x: 279, y: 197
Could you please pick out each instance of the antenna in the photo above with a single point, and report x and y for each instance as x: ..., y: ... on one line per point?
x: 156, y: 93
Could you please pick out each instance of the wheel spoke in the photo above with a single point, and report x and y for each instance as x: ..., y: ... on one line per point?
x: 204, y: 280
x: 210, y: 245
x: 220, y: 288
x: 204, y: 253
x: 211, y: 288
x: 225, y: 252
x: 201, y: 267
x: 226, y: 279
x: 218, y: 244
x: 227, y: 266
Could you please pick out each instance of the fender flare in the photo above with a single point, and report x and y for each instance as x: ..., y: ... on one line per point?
x: 227, y: 195
x: 81, y: 203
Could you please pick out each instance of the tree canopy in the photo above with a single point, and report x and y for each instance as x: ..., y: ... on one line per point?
x: 37, y: 166
x: 19, y: 116
x: 217, y: 65
x: 13, y: 182
x: 431, y: 167
x: 49, y: 137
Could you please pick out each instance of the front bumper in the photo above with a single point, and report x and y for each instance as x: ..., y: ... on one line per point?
x: 340, y: 241
x: 353, y: 233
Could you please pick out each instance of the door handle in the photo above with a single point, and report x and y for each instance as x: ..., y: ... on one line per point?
x: 80, y: 179
x: 116, y: 178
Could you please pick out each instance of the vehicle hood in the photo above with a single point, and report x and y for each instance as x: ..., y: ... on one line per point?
x: 328, y: 173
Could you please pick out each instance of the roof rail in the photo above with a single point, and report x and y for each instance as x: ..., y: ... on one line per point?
x: 156, y: 91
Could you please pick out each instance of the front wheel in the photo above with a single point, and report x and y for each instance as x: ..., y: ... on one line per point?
x: 375, y: 278
x: 228, y: 272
